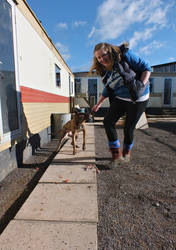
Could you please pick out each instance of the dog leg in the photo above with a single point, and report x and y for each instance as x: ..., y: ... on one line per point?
x: 74, y: 142
x: 84, y: 138
x: 76, y: 137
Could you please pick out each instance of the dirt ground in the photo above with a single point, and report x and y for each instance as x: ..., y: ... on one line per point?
x: 137, y: 201
x: 18, y: 185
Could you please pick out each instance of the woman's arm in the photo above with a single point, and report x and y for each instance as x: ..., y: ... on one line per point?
x: 145, y: 76
x: 136, y: 63
x: 98, y: 105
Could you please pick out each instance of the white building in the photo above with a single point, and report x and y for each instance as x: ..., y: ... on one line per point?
x: 35, y: 82
x: 163, y: 89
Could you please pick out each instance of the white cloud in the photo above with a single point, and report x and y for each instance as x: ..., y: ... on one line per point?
x: 79, y: 23
x: 62, y: 25
x: 115, y: 17
x: 149, y: 48
x: 92, y: 32
x: 63, y: 50
x: 141, y: 36
x: 159, y: 15
x: 171, y: 59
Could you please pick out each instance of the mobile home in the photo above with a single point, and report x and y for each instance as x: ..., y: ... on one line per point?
x: 162, y: 88
x: 35, y: 82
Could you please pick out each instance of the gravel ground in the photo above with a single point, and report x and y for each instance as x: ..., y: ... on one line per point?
x: 137, y: 201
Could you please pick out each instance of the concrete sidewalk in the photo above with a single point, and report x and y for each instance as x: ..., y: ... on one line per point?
x: 61, y: 212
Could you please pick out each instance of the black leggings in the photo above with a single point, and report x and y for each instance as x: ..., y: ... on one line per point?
x: 119, y: 108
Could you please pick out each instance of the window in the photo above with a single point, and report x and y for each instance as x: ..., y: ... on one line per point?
x: 8, y: 95
x: 167, y: 91
x: 173, y: 67
x: 151, y: 80
x: 92, y: 91
x: 158, y: 69
x: 58, y: 77
x: 167, y: 68
x: 77, y: 86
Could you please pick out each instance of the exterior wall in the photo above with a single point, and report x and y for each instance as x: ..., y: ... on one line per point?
x: 37, y: 92
x: 37, y: 61
x: 157, y: 95
x: 156, y: 98
x: 38, y: 107
x: 84, y: 88
x: 174, y: 92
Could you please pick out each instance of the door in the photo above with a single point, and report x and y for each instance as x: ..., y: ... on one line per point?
x: 168, y: 92
x: 92, y: 91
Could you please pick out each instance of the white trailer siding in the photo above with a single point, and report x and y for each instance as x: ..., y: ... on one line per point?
x: 31, y: 80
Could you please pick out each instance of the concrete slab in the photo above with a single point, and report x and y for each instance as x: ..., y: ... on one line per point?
x: 73, y: 173
x: 61, y: 202
x: 66, y: 156
x: 61, y: 212
x: 66, y: 153
x: 43, y: 235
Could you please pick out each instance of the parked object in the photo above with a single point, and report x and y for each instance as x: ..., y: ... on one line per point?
x: 57, y: 122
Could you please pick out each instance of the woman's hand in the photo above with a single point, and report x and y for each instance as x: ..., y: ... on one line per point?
x: 96, y: 107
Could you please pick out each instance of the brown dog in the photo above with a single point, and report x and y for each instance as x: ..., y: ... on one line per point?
x: 75, y: 125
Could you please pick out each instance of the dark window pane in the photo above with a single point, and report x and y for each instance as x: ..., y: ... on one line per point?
x: 77, y: 86
x: 151, y: 85
x: 92, y: 90
x: 8, y: 94
x: 58, y: 77
x: 167, y: 91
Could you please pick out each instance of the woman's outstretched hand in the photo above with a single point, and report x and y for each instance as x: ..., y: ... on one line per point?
x: 96, y: 108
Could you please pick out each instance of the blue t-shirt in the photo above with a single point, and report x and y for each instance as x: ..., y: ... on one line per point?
x: 115, y: 81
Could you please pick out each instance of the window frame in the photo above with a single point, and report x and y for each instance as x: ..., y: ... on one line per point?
x: 166, y: 80
x: 152, y: 81
x: 77, y: 80
x: 58, y: 85
x: 14, y: 134
x: 97, y: 84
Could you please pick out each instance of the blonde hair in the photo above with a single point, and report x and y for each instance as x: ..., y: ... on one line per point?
x: 114, y: 52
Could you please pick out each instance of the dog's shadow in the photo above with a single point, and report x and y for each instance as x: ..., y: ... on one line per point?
x: 35, y: 142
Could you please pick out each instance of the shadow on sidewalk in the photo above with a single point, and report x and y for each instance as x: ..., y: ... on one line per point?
x: 16, y: 204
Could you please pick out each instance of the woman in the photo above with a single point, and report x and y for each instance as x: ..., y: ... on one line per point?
x: 123, y: 91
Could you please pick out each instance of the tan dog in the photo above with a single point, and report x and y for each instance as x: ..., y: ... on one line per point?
x: 75, y: 125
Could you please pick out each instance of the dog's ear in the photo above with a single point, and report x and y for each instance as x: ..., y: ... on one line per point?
x: 77, y: 116
x: 85, y: 116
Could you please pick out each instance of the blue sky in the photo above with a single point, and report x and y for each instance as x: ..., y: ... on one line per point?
x: 76, y: 26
